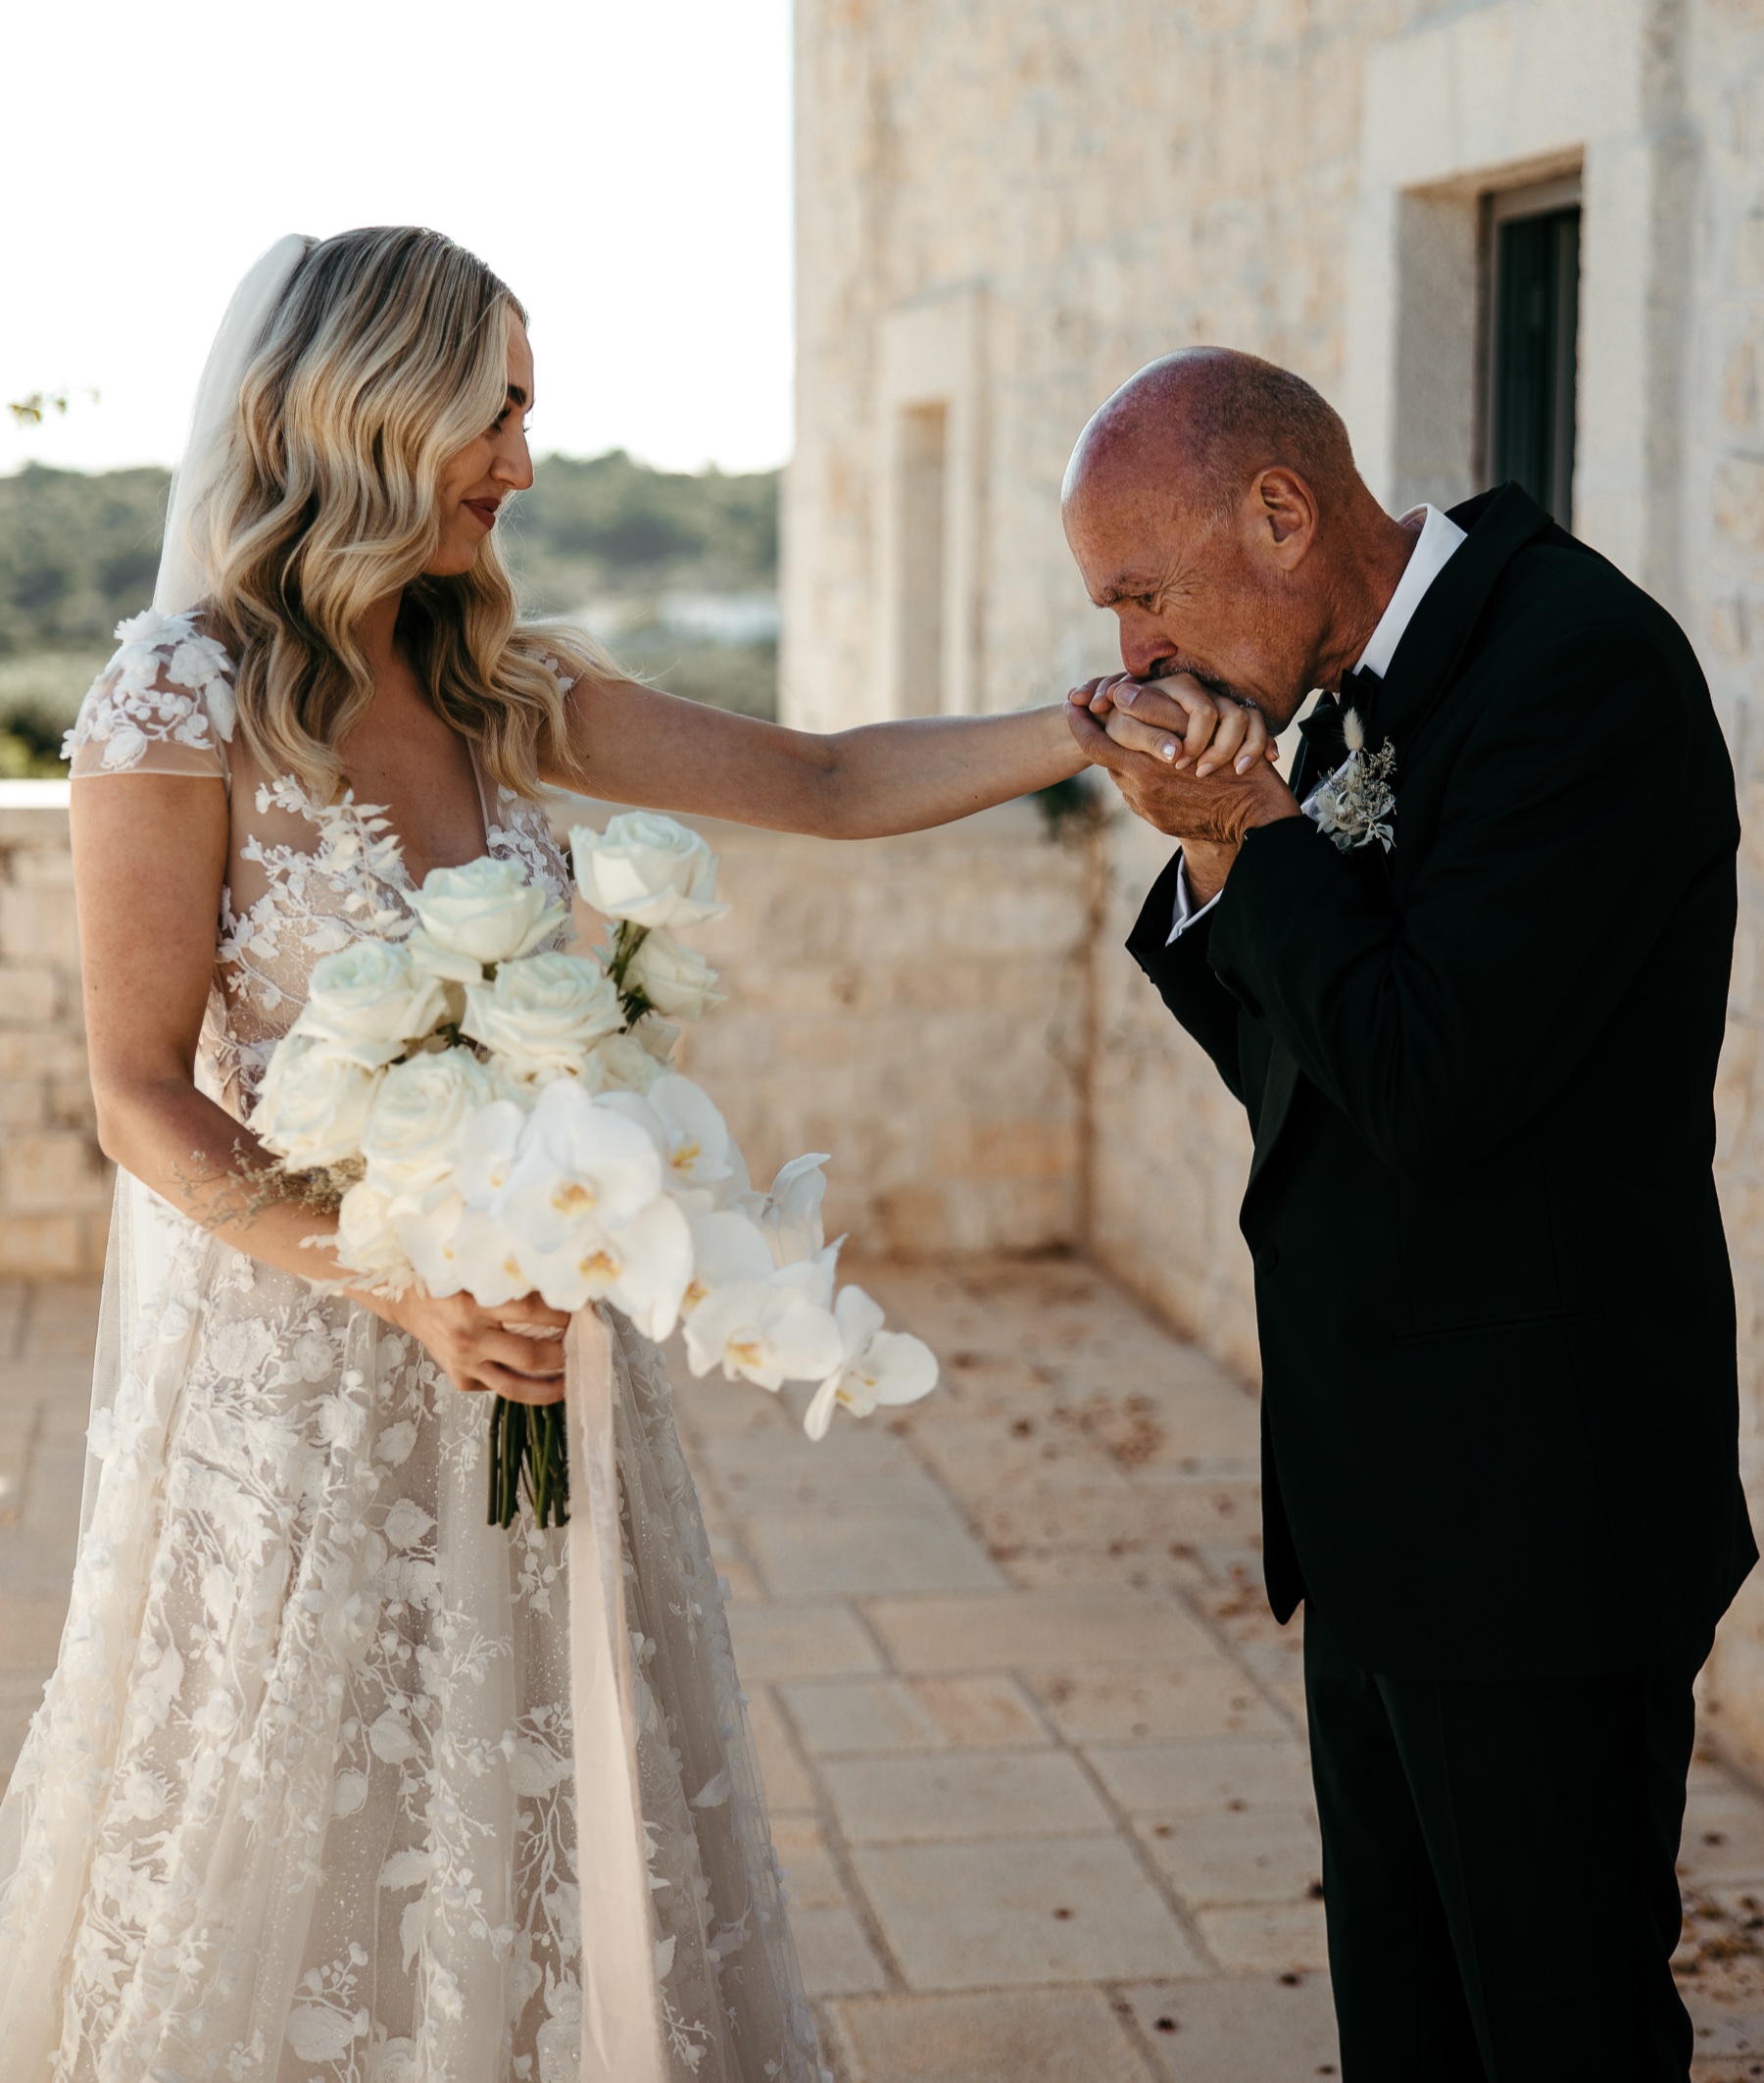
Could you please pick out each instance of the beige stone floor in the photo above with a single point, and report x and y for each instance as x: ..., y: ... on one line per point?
x: 1035, y: 1749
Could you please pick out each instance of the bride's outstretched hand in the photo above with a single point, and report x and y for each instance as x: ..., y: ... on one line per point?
x: 515, y: 1350
x: 1179, y: 722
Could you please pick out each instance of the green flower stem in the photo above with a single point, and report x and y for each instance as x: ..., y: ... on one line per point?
x: 530, y: 1441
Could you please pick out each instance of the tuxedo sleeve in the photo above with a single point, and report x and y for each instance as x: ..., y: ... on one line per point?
x: 1589, y: 802
x: 1183, y: 978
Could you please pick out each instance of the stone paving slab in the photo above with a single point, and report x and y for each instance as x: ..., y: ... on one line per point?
x: 1034, y: 1745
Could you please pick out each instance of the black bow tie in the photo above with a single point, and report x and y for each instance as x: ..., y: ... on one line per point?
x: 1323, y: 731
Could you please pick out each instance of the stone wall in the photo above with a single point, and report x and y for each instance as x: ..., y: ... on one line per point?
x: 54, y: 1185
x: 918, y: 1008
x: 1717, y: 516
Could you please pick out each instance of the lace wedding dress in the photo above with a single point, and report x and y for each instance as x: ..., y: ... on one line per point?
x: 299, y: 1801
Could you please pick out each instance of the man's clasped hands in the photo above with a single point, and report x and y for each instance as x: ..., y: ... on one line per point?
x: 1190, y: 761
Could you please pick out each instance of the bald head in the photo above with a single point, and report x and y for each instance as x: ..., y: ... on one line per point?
x: 1213, y: 505
x: 1198, y: 426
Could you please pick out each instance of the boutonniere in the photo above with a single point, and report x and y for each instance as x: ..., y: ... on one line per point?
x: 1353, y: 805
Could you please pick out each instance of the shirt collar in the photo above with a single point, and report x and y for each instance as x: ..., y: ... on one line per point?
x: 1440, y: 536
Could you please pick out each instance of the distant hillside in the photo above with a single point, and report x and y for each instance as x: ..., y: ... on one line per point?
x: 78, y: 553
x: 615, y: 527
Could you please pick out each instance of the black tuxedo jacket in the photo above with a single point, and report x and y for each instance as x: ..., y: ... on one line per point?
x: 1499, y: 1411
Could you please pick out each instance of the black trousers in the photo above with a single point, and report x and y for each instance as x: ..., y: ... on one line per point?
x: 1499, y: 1871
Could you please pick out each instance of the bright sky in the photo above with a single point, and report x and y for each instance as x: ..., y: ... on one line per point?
x: 625, y: 168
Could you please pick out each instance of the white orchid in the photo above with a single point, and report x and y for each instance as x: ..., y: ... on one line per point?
x: 875, y: 1366
x: 692, y: 1138
x: 767, y: 1331
x: 791, y: 1218
x: 580, y: 1166
x: 485, y: 1153
x: 642, y: 1267
x: 728, y: 1249
x: 648, y: 870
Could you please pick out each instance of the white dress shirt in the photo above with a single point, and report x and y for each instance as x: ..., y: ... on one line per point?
x: 1438, y: 538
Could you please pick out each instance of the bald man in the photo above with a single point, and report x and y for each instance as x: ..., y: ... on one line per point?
x: 1468, y: 974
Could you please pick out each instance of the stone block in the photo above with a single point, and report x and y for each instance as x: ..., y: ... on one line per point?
x: 810, y: 1877
x: 868, y: 1552
x: 1187, y: 1700
x: 1027, y: 1630
x: 51, y: 1170
x: 23, y: 1106
x: 836, y: 1954
x: 804, y: 1640
x: 1209, y: 1773
x: 1278, y: 1938
x: 1021, y: 1914
x: 47, y: 1057
x: 859, y: 1715
x: 1248, y: 1855
x: 954, y: 1794
x: 1049, y: 2035
x: 983, y: 1709
x: 1737, y: 502
x: 1274, y: 2028
x: 29, y: 994
x: 52, y: 1247
x: 38, y: 924
x: 47, y: 867
x: 788, y: 1784
x: 30, y: 1629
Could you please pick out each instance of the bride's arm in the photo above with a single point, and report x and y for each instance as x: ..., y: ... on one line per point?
x: 634, y: 744
x: 149, y: 859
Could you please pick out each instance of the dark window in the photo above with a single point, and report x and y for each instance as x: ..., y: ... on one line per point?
x: 1535, y: 296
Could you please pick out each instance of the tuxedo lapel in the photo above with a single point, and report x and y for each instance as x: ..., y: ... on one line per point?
x: 1498, y: 525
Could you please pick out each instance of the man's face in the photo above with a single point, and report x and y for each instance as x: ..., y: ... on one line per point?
x: 1220, y: 595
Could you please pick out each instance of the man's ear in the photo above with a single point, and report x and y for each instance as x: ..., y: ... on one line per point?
x: 1285, y: 515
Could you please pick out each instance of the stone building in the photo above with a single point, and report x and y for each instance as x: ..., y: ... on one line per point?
x: 1505, y: 237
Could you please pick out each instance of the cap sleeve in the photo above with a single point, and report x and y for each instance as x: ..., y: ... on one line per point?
x: 163, y: 705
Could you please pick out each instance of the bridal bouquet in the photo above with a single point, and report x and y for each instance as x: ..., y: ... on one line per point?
x: 498, y: 1121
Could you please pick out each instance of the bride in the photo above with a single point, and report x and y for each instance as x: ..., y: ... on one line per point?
x: 302, y: 1799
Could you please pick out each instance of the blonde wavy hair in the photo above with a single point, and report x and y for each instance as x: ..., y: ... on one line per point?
x: 386, y: 356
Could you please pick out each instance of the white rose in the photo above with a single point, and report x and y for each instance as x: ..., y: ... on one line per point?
x: 620, y: 1064
x: 484, y: 913
x: 366, y: 1242
x: 314, y: 1104
x: 543, y: 1012
x: 648, y: 870
x: 417, y: 1114
x: 370, y: 1001
x: 676, y: 979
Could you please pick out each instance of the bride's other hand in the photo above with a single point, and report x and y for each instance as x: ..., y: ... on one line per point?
x: 516, y: 1349
x: 1178, y: 722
